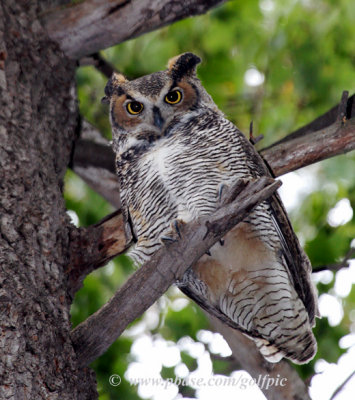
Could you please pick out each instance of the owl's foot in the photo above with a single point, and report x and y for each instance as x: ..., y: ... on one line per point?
x: 175, y: 233
x: 175, y: 226
x: 168, y: 240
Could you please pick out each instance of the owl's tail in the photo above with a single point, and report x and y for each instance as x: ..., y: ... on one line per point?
x: 267, y: 308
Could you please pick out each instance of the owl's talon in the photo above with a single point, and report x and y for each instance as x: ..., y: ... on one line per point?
x: 168, y: 240
x: 221, y: 242
x: 174, y: 235
x: 208, y: 253
x: 175, y: 225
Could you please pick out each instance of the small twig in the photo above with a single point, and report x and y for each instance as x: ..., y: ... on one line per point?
x: 339, y: 266
x: 99, y: 331
x: 341, y: 387
x: 341, y: 117
x: 254, y: 140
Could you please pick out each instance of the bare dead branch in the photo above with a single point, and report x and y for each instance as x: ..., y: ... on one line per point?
x: 299, y: 152
x: 343, y: 106
x: 286, y: 384
x: 330, y: 134
x: 97, y: 333
x: 252, y: 139
x: 323, y: 121
x: 103, y: 182
x: 88, y: 27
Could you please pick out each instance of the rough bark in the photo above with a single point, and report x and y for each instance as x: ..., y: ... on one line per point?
x: 37, y: 128
x: 85, y: 28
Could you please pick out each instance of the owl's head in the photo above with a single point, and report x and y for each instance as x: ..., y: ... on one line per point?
x: 144, y: 110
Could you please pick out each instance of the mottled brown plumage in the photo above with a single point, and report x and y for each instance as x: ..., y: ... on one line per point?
x: 175, y: 154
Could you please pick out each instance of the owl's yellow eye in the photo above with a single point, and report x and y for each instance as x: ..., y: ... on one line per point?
x: 134, y: 107
x: 173, y: 97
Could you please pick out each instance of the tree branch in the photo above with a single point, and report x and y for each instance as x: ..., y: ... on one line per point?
x: 339, y: 266
x: 327, y: 136
x: 93, y: 247
x: 88, y: 27
x: 102, y: 65
x: 94, y: 161
x: 99, y: 331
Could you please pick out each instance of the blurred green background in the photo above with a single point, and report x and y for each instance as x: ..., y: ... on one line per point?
x: 280, y: 63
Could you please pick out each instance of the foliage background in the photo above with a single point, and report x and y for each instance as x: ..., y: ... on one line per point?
x: 280, y: 64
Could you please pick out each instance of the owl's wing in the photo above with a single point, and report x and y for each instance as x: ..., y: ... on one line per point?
x: 297, y: 261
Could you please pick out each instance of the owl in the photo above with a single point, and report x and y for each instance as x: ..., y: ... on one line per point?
x: 176, y: 153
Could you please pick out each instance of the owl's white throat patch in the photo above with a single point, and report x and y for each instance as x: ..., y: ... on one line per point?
x: 158, y: 156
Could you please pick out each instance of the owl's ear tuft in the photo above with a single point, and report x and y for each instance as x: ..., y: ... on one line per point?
x: 113, y: 86
x: 118, y: 79
x: 182, y: 65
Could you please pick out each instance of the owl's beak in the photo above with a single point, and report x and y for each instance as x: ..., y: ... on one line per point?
x: 158, y: 119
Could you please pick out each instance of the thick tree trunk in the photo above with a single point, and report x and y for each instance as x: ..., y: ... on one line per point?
x: 37, y: 128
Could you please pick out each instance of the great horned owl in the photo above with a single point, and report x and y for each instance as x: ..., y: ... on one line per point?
x: 175, y: 153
